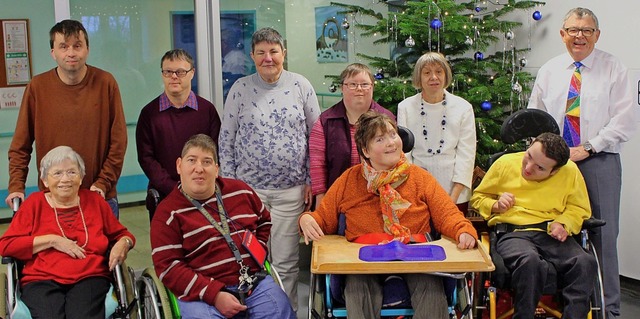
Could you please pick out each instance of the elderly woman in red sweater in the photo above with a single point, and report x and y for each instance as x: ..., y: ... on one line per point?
x: 62, y: 235
x: 387, y: 198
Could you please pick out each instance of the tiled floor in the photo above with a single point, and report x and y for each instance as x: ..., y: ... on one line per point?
x: 137, y: 220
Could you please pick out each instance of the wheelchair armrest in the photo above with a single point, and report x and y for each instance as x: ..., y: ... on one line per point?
x: 7, y: 260
x: 592, y: 223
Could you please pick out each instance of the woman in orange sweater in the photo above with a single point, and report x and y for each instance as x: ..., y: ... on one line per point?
x: 387, y: 198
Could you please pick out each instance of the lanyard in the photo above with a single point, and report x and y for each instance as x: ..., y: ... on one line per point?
x: 244, y: 278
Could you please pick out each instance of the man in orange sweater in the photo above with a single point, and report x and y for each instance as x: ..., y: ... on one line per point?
x: 73, y: 104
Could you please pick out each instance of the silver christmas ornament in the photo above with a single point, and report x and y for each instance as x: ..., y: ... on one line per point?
x: 468, y: 41
x: 410, y: 42
x: 523, y: 62
x: 332, y: 88
x: 345, y: 24
x: 516, y: 87
x: 509, y: 35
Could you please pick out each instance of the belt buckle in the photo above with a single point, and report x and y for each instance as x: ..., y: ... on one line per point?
x: 502, y: 228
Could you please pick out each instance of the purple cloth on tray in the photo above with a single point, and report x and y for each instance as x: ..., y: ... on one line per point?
x: 396, y: 250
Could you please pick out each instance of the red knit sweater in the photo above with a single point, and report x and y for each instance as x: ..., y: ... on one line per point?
x: 37, y: 218
x: 428, y: 200
x: 87, y: 117
x: 190, y: 256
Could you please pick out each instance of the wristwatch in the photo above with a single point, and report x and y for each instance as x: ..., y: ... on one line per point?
x: 129, y: 242
x: 589, y: 148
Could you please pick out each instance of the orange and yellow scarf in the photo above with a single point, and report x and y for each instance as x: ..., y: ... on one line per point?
x: 392, y: 205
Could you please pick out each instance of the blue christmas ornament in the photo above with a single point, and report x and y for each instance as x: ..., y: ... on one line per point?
x: 478, y: 9
x: 436, y: 24
x: 537, y: 15
x: 379, y: 75
x: 478, y: 56
x: 486, y: 106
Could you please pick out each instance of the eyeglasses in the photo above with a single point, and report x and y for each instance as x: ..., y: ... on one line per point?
x: 353, y: 86
x: 587, y: 32
x: 70, y: 173
x: 179, y: 73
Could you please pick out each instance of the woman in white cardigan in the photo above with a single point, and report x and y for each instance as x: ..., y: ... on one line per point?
x: 444, y: 128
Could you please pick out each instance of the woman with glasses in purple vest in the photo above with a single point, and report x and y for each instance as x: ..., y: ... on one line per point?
x: 332, y: 148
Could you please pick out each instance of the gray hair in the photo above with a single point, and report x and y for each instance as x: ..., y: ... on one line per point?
x: 269, y: 35
x: 59, y: 155
x: 431, y: 58
x: 581, y: 13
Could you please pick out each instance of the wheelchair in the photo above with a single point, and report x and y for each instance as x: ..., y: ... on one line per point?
x: 157, y: 302
x: 325, y: 299
x: 492, y: 290
x: 121, y: 301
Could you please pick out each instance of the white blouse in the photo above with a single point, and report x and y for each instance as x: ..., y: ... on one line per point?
x: 448, y: 150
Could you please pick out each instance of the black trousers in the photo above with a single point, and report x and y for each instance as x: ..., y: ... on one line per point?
x: 528, y: 256
x: 82, y: 300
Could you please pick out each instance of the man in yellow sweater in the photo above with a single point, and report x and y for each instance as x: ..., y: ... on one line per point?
x: 536, y: 200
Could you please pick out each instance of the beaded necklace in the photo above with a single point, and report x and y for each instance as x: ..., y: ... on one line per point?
x: 423, y: 112
x: 84, y: 224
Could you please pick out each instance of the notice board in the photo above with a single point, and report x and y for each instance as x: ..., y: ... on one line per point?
x: 15, y: 61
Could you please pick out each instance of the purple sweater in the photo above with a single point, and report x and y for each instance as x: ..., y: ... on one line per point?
x: 160, y: 137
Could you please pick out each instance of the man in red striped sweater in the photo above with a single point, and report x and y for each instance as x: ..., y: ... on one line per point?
x: 191, y: 255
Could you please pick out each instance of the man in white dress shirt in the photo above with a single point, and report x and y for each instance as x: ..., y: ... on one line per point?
x: 604, y: 121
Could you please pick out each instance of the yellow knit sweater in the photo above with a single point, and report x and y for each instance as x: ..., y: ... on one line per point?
x: 561, y: 198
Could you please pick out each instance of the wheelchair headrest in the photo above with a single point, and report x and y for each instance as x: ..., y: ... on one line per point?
x: 407, y: 139
x: 527, y: 123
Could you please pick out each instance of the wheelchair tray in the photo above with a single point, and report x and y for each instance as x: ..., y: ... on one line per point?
x: 396, y: 250
x: 333, y: 254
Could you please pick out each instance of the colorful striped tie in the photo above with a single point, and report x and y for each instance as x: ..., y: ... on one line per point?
x: 571, y: 132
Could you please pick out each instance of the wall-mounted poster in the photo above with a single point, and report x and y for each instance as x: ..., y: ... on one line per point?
x: 15, y: 51
x: 331, y: 36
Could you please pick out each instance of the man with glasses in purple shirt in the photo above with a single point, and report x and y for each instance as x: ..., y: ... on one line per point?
x: 168, y: 121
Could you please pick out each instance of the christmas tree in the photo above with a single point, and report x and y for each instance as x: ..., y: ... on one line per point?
x: 493, y: 82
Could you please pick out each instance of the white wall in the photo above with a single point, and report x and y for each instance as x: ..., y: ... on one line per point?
x: 619, y: 23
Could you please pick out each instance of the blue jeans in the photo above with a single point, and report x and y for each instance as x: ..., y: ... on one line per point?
x: 113, y: 203
x: 267, y: 301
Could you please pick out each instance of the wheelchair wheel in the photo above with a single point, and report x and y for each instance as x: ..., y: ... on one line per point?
x: 597, y: 297
x: 125, y: 293
x: 3, y: 296
x: 273, y: 272
x: 129, y: 286
x: 480, y: 295
x: 154, y: 302
x: 464, y: 304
